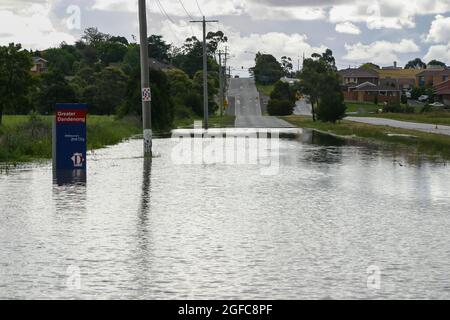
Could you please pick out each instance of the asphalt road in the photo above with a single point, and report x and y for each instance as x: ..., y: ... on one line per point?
x: 245, y: 103
x: 303, y: 108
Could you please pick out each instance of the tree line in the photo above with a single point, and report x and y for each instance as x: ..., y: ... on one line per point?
x: 103, y: 71
x: 318, y: 79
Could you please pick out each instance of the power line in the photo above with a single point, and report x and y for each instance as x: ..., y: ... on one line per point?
x: 189, y: 15
x: 163, y: 11
x: 198, y: 6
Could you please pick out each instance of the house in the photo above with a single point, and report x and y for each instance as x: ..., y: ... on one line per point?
x: 442, y: 92
x: 433, y: 76
x: 157, y: 65
x: 352, y: 77
x: 289, y: 80
x: 39, y: 65
x: 403, y: 79
x: 370, y: 92
x: 394, y: 67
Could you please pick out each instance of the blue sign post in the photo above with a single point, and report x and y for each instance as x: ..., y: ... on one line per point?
x: 69, y: 143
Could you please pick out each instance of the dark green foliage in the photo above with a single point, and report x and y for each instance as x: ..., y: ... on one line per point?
x: 318, y: 77
x: 15, y: 78
x: 395, y: 107
x: 331, y: 107
x: 60, y: 60
x: 416, y: 64
x: 267, y: 69
x: 282, y: 100
x: 370, y: 66
x: 111, y: 52
x: 162, y: 104
x: 104, y: 72
x: 109, y: 92
x: 282, y: 91
x: 437, y: 63
x: 53, y: 88
x: 280, y: 107
x: 404, y: 99
x: 158, y: 49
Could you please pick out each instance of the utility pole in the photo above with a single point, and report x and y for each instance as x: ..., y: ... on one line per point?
x: 205, y: 71
x: 221, y: 83
x: 145, y: 81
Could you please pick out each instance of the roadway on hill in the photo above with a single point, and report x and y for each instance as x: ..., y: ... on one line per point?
x: 245, y: 105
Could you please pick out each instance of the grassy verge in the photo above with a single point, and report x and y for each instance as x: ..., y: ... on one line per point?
x: 265, y: 90
x: 362, y: 107
x: 26, y: 138
x: 420, y: 142
x: 214, y: 122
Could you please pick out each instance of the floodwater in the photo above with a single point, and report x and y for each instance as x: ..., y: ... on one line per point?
x: 337, y: 220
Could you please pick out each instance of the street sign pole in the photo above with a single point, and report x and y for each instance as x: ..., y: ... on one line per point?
x: 145, y: 81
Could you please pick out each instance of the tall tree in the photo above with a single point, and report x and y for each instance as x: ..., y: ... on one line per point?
x: 370, y: 66
x: 53, y: 88
x: 215, y: 39
x: 437, y: 63
x: 320, y: 81
x: 417, y: 63
x: 15, y: 77
x: 110, y: 85
x: 158, y: 49
x: 267, y: 69
x: 93, y: 37
x: 286, y: 63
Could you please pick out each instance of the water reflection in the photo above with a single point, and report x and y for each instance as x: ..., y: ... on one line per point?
x: 68, y: 177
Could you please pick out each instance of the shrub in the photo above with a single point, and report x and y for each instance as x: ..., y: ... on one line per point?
x: 404, y: 99
x: 395, y: 107
x: 332, y: 107
x: 280, y: 107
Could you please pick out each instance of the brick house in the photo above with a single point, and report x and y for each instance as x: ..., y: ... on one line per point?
x: 369, y: 92
x: 403, y: 79
x: 433, y: 76
x: 352, y: 77
x: 39, y: 65
x: 442, y: 91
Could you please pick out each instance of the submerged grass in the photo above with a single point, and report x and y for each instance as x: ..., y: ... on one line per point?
x: 26, y: 138
x: 420, y: 142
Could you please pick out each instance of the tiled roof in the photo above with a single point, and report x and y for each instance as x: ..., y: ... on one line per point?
x: 37, y: 59
x: 367, y: 86
x: 157, y: 65
x: 434, y: 72
x: 358, y: 73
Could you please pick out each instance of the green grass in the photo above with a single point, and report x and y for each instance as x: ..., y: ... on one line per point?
x: 419, y: 142
x: 26, y: 138
x: 365, y: 107
x: 265, y: 90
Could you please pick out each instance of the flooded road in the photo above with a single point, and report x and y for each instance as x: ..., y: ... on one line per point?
x: 337, y: 221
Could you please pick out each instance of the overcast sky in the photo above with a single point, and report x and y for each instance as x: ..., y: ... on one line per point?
x: 357, y: 31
